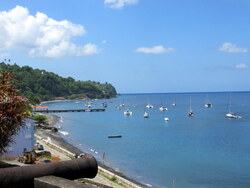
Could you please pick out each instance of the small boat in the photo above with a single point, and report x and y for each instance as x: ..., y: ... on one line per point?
x: 104, y: 105
x: 118, y: 107
x: 231, y: 115
x: 174, y: 103
x: 190, y: 112
x: 149, y: 106
x: 146, y: 115
x: 208, y: 105
x: 127, y: 112
x: 115, y: 136
x: 166, y: 119
x: 163, y: 108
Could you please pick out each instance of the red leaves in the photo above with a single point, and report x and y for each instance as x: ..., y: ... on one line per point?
x: 12, y: 109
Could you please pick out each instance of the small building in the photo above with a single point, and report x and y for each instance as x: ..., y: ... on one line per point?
x: 24, y: 139
x: 41, y: 108
x: 60, y: 98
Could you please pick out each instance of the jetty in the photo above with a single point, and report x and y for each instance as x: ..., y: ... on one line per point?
x: 45, y: 109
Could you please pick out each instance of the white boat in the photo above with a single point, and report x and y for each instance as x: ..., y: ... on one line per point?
x: 166, y: 119
x: 127, y: 112
x: 231, y: 115
x: 208, y: 104
x: 163, y: 108
x: 149, y: 106
x: 146, y: 115
x: 174, y: 103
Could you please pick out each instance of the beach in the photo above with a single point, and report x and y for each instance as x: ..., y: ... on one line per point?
x: 54, y: 143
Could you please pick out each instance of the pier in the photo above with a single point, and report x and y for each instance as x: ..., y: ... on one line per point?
x: 74, y: 110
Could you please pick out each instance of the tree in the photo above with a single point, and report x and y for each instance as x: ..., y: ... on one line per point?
x: 40, y: 119
x: 13, y: 110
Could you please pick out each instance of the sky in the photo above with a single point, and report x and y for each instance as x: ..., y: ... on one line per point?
x: 139, y: 46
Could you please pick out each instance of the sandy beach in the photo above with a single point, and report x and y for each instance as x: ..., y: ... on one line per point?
x: 54, y: 143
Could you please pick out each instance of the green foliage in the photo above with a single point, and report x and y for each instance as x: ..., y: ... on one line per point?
x: 13, y: 110
x: 40, y: 118
x: 39, y: 85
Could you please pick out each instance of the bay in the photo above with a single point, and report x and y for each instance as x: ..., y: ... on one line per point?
x: 204, y: 151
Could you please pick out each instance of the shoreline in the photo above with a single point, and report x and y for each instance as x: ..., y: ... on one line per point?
x: 57, y: 140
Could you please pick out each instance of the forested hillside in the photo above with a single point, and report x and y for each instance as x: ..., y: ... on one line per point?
x: 38, y: 84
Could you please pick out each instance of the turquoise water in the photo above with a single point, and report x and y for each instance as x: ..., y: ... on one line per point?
x: 208, y: 150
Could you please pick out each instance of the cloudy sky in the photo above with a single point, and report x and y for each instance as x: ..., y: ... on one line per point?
x: 136, y: 45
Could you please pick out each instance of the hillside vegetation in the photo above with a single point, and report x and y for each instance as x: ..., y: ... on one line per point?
x: 39, y: 85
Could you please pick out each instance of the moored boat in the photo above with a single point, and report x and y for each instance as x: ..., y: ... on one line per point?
x: 115, y: 136
x: 127, y: 112
x: 146, y: 115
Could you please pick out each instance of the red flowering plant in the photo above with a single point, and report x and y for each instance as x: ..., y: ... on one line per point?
x: 13, y: 110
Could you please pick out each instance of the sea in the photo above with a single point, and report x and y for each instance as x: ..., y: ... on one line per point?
x: 208, y: 150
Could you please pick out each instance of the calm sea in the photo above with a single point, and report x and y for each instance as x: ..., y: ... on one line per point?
x: 208, y: 150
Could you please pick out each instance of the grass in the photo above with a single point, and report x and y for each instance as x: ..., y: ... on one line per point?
x: 112, y: 179
x: 8, y: 158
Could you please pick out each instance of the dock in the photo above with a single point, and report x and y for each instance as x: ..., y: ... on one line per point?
x: 74, y: 110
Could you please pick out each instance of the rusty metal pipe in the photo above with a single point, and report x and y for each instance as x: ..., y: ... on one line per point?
x: 85, y: 167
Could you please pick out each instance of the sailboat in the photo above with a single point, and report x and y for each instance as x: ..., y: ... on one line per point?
x: 163, y: 108
x: 208, y: 104
x: 174, y: 103
x: 146, y: 115
x: 190, y: 111
x: 229, y: 113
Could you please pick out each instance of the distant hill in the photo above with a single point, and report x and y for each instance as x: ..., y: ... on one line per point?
x: 38, y: 84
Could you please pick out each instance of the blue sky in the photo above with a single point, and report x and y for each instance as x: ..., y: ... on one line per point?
x: 136, y: 45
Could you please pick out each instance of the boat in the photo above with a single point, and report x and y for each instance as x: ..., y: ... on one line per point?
x: 149, y: 106
x: 146, y: 115
x: 104, y: 105
x: 191, y: 114
x: 190, y: 111
x: 231, y: 114
x: 208, y: 104
x: 163, y: 108
x: 115, y: 136
x: 166, y: 119
x: 174, y: 103
x: 127, y: 112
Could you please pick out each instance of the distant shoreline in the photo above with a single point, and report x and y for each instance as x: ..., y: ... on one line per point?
x: 61, y: 142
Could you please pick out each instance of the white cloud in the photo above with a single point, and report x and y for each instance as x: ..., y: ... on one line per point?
x: 232, y: 48
x: 119, y: 3
x: 241, y: 66
x: 155, y: 50
x: 40, y: 35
